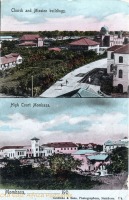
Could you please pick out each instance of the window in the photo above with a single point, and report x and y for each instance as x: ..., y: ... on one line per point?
x: 71, y: 148
x: 64, y: 148
x: 19, y: 60
x: 111, y: 67
x: 120, y: 73
x: 18, y: 153
x: 120, y: 59
x: 112, y: 55
x: 36, y: 149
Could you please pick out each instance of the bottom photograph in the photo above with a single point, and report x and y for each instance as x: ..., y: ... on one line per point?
x: 63, y: 144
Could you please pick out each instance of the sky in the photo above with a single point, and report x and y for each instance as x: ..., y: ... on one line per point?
x: 83, y: 15
x: 66, y: 120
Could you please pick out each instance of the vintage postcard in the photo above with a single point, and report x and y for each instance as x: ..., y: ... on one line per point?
x: 66, y: 48
x: 64, y: 149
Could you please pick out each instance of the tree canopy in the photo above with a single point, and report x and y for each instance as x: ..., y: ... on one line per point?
x: 119, y: 160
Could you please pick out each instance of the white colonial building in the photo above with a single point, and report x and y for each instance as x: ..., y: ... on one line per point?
x: 10, y: 60
x: 110, y: 145
x: 33, y: 150
x: 118, y: 65
x: 12, y: 152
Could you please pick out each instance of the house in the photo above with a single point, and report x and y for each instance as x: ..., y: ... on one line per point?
x: 92, y: 161
x: 12, y: 152
x: 98, y: 163
x: 31, y: 40
x: 63, y: 147
x: 10, y: 60
x: 109, y: 39
x: 82, y: 155
x: 110, y: 145
x: 118, y: 66
x: 84, y: 44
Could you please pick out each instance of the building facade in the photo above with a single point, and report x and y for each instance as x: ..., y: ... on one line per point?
x: 10, y: 61
x: 12, y: 152
x: 63, y: 147
x: 84, y: 44
x: 118, y: 65
x: 110, y: 145
x: 30, y: 40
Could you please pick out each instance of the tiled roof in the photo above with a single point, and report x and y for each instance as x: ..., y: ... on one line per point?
x: 27, y: 44
x: 54, y: 49
x: 113, y: 48
x: 123, y: 50
x: 100, y: 157
x: 60, y: 144
x: 84, y: 42
x: 10, y: 58
x: 29, y: 37
x: 11, y: 147
x: 83, y: 152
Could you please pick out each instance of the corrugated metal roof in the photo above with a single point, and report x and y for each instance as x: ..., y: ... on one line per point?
x: 6, y: 37
x: 98, y: 157
x: 119, y: 142
x: 84, y: 151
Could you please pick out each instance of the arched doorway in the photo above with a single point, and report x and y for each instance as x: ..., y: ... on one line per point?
x: 120, y: 88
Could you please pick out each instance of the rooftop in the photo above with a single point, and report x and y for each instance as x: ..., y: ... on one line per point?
x: 27, y: 44
x: 9, y: 58
x: 29, y: 37
x: 113, y: 48
x: 34, y: 138
x: 54, y: 49
x: 84, y: 93
x: 100, y: 157
x: 61, y: 88
x: 5, y: 37
x: 11, y: 147
x: 83, y: 152
x: 60, y: 144
x: 123, y: 50
x: 84, y: 42
x: 119, y: 142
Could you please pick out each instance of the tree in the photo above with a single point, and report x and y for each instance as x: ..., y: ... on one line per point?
x: 62, y: 164
x: 119, y: 160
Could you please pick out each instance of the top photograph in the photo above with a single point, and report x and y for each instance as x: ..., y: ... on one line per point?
x: 64, y: 49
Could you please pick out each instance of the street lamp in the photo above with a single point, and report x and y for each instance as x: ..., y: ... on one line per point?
x: 32, y: 86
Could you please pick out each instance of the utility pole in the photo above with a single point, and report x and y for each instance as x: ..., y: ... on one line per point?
x: 32, y: 87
